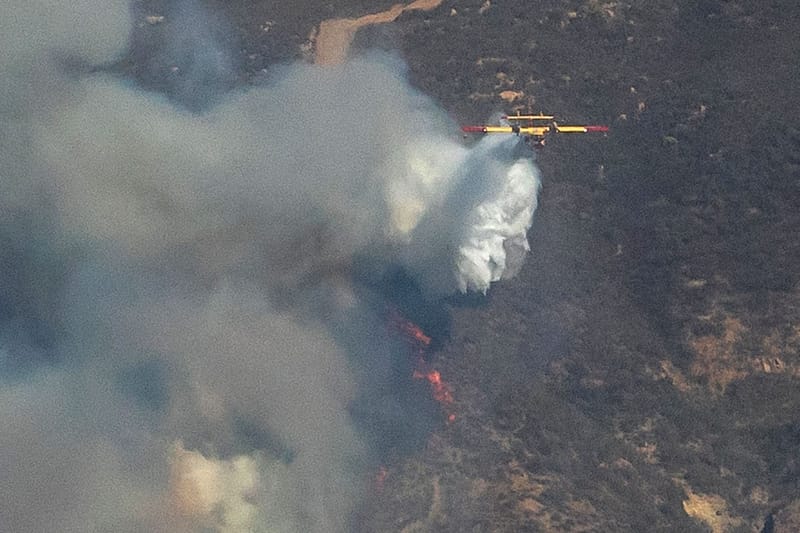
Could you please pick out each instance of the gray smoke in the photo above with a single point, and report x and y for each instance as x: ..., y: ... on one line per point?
x: 173, y: 281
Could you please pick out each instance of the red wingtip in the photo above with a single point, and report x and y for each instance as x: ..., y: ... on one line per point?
x: 597, y: 128
x: 473, y: 129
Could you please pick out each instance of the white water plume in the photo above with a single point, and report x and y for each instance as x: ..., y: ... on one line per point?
x: 496, y: 241
x: 462, y: 214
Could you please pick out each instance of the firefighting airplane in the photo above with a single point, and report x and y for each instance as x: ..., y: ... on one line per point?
x: 534, y: 127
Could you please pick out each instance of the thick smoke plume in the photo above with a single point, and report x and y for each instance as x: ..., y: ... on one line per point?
x: 178, y: 297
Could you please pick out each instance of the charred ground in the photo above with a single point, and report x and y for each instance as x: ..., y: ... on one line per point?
x: 640, y: 374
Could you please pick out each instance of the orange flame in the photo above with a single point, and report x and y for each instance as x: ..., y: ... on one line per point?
x: 417, y: 334
x: 410, y: 331
x: 441, y: 390
x: 380, y: 477
x: 419, y: 342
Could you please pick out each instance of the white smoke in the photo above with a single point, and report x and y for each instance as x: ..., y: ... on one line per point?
x: 214, y: 494
x: 169, y: 279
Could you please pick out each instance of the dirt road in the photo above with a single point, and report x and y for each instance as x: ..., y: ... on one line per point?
x: 332, y: 41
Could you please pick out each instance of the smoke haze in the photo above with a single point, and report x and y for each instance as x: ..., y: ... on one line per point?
x: 178, y: 297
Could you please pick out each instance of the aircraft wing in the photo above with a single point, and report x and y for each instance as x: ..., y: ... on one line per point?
x: 536, y: 131
x: 489, y: 129
x: 580, y: 129
x: 529, y: 117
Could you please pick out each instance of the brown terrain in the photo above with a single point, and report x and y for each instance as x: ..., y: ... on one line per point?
x: 331, y: 43
x: 641, y: 373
